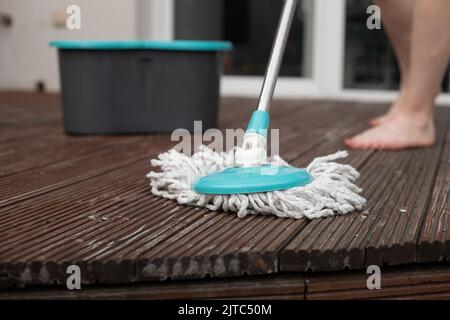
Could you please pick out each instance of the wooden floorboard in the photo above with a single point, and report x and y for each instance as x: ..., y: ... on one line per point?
x: 398, y: 186
x: 434, y: 242
x: 396, y: 282
x: 85, y: 200
x: 407, y: 282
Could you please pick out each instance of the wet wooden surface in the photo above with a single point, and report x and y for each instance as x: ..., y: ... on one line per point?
x: 403, y: 282
x: 85, y: 200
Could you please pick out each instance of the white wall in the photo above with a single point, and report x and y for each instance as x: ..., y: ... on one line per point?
x: 25, y: 56
x: 155, y: 19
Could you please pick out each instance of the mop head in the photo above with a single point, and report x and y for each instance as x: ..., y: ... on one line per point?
x: 331, y: 192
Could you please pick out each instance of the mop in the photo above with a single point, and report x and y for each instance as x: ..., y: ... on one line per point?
x: 246, y: 181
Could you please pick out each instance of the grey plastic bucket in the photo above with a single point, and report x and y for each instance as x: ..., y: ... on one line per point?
x: 139, y: 86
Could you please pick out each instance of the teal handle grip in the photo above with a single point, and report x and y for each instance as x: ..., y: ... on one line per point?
x: 259, y: 123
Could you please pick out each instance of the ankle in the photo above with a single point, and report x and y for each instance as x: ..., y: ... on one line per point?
x: 418, y: 118
x: 417, y: 107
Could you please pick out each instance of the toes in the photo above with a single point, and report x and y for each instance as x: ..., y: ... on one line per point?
x: 349, y: 142
x: 353, y: 143
x: 363, y: 142
x: 356, y: 143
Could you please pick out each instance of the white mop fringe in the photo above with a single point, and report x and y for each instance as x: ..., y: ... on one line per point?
x: 331, y: 192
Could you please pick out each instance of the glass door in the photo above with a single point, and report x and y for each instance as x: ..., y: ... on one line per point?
x: 251, y: 26
x: 330, y: 54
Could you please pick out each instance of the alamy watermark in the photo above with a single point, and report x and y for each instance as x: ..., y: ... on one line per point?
x: 73, y: 21
x: 217, y: 140
x: 374, y: 20
x: 374, y: 280
x: 73, y: 281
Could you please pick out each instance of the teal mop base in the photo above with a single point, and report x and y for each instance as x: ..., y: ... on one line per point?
x: 242, y: 180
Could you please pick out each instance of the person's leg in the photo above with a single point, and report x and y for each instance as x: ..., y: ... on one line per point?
x: 412, y: 125
x: 397, y: 19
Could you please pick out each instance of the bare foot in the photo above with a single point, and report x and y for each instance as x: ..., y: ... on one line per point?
x: 393, y: 111
x: 381, y: 119
x: 399, y: 132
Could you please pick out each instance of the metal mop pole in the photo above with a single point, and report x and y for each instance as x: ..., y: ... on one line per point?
x: 276, y: 56
x: 254, y: 147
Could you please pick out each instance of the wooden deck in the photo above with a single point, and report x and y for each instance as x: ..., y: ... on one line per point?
x: 85, y: 200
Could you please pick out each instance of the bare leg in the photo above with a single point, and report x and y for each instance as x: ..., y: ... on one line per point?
x: 412, y: 125
x: 397, y: 17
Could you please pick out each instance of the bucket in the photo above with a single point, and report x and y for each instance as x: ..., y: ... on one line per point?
x: 139, y: 86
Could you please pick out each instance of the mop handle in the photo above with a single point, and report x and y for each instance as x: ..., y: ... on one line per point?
x: 276, y: 57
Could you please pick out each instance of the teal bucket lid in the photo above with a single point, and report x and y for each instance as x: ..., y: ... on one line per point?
x: 179, y: 45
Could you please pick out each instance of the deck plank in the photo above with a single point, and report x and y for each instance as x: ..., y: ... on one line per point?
x: 85, y: 200
x: 248, y: 247
x: 123, y: 234
x: 410, y: 282
x: 393, y: 182
x: 41, y: 180
x: 396, y: 283
x: 434, y: 242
